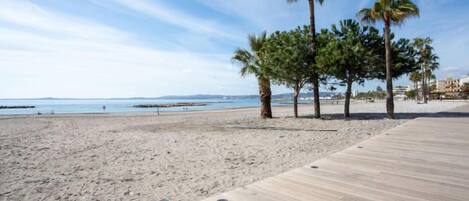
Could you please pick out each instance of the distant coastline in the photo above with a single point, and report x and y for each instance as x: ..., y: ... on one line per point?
x: 50, y: 105
x: 16, y: 106
x: 189, y: 104
x: 195, y: 96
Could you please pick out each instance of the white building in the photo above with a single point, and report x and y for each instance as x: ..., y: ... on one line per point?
x: 399, y: 91
x: 441, y: 86
x: 419, y: 84
x: 464, y: 80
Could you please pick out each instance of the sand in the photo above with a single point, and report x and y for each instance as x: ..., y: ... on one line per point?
x: 175, y: 156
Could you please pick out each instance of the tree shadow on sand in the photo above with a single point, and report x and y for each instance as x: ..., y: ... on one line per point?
x: 399, y: 116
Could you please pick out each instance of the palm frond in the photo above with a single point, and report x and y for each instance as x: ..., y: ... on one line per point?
x: 256, y: 42
x: 251, y: 60
x: 365, y: 15
x: 402, y: 10
x: 246, y: 60
x: 394, y: 11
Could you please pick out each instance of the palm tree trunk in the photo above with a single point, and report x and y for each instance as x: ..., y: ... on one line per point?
x: 416, y: 86
x: 312, y: 27
x: 424, y: 91
x: 295, y: 98
x: 428, y: 88
x: 265, y: 95
x: 348, y: 95
x: 315, y: 78
x: 427, y: 81
x: 389, y: 95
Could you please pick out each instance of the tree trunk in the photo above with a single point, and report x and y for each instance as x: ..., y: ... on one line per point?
x: 427, y: 87
x: 348, y: 95
x: 315, y: 78
x: 389, y: 94
x: 312, y: 27
x: 424, y: 91
x: 416, y: 86
x: 421, y: 84
x: 265, y: 95
x: 295, y: 98
x: 317, y: 106
x: 429, y: 92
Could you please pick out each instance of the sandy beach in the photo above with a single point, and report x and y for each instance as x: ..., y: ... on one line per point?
x: 175, y: 156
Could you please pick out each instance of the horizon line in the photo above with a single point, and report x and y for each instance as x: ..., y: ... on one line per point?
x: 156, y: 97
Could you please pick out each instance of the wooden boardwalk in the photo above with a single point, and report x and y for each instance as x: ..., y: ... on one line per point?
x: 423, y: 159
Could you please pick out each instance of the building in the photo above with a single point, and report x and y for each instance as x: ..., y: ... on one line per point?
x: 452, y: 85
x: 464, y: 80
x: 432, y: 82
x: 399, y: 91
x: 441, y: 86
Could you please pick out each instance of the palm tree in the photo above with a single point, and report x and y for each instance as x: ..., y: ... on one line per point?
x: 252, y: 63
x: 391, y: 12
x: 415, y: 77
x: 312, y: 30
x: 428, y: 61
x: 423, y: 45
x: 430, y: 64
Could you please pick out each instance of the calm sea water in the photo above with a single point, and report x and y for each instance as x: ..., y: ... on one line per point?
x: 57, y: 106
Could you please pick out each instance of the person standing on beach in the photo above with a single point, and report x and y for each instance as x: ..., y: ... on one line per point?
x: 104, y: 108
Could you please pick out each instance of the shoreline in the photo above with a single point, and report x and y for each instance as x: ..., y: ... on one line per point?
x: 143, y: 113
x: 162, y: 113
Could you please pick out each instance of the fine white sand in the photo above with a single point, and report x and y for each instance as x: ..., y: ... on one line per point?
x: 175, y: 156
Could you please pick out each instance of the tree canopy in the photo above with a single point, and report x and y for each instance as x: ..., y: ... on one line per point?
x: 289, y: 57
x: 403, y: 55
x: 349, y: 53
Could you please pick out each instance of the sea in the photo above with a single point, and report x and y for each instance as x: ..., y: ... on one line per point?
x: 75, y: 106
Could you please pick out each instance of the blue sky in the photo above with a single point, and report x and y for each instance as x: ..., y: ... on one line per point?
x: 148, y: 48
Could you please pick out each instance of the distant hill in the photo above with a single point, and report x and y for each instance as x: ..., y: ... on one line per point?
x: 304, y: 95
x: 197, y: 96
x: 276, y: 96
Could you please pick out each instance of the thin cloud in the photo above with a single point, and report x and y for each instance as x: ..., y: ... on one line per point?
x: 278, y: 14
x: 58, y: 60
x: 29, y: 15
x: 49, y: 52
x: 255, y: 13
x: 180, y: 19
x: 453, y: 68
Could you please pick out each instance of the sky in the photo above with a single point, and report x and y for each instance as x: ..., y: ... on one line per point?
x: 150, y: 48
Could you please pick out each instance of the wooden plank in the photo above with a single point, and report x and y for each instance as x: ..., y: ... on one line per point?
x: 423, y: 159
x: 329, y: 169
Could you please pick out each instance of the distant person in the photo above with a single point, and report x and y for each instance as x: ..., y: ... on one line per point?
x: 104, y: 108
